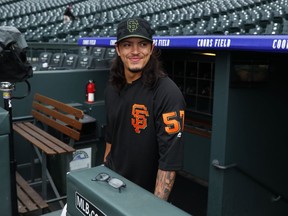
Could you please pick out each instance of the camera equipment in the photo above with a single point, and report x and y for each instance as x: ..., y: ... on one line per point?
x: 14, y: 67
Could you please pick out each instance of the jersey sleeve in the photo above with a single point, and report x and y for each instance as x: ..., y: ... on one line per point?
x: 169, y: 112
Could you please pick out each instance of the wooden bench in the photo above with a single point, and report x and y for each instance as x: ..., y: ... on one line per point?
x: 62, y: 118
x: 28, y: 199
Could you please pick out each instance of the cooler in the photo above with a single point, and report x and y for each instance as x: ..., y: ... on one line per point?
x: 91, y: 198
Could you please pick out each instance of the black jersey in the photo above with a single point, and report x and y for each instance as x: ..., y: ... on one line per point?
x: 145, y: 126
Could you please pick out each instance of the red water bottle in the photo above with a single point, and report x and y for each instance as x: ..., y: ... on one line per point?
x: 90, y: 91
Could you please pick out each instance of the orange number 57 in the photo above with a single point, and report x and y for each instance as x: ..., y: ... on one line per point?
x: 172, y: 124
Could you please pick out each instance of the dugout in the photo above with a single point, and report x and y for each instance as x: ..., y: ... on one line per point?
x: 235, y: 88
x: 235, y: 139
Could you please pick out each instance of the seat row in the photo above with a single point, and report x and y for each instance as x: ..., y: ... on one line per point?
x: 99, y: 18
x: 86, y: 58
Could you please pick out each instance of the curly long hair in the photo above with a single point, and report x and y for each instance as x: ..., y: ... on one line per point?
x: 152, y: 71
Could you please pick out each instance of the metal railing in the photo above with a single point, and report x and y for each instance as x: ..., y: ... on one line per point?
x: 276, y: 196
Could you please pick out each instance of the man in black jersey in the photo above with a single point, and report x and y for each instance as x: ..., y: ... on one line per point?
x: 145, y: 113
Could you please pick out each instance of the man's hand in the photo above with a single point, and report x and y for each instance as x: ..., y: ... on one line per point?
x: 164, y: 183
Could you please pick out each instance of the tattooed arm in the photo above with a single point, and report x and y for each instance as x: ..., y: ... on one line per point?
x: 164, y: 183
x: 107, y: 150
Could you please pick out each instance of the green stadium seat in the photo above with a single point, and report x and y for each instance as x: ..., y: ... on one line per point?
x: 70, y: 61
x: 85, y: 62
x: 98, y: 52
x: 44, y: 60
x: 94, y: 19
x: 84, y: 51
x: 56, y: 61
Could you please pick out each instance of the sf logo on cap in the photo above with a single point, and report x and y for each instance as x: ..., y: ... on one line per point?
x: 132, y: 25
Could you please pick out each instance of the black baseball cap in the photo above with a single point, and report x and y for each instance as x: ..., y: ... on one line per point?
x: 134, y: 27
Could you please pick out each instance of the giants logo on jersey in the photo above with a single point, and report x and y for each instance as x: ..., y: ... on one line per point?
x: 140, y: 114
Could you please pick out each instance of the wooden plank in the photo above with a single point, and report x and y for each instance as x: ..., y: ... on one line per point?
x: 45, y: 140
x: 32, y: 194
x: 46, y: 135
x: 33, y: 140
x: 63, y: 118
x: 62, y: 128
x: 59, y: 105
x: 25, y: 199
x: 28, y: 199
x: 21, y: 207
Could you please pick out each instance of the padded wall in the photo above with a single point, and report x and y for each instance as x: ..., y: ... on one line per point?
x: 5, y: 195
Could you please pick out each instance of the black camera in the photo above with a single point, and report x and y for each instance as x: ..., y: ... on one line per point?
x: 14, y: 66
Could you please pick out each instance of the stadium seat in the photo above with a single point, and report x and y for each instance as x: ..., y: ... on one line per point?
x: 85, y: 62
x: 110, y: 53
x: 273, y: 28
x: 162, y: 33
x: 45, y: 57
x: 175, y: 31
x: 102, y: 56
x: 83, y: 50
x: 285, y: 27
x: 98, y: 52
x: 256, y: 31
x: 56, y: 61
x: 70, y: 61
x: 44, y: 22
x: 44, y: 61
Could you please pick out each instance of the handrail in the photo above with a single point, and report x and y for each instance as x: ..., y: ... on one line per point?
x: 276, y: 196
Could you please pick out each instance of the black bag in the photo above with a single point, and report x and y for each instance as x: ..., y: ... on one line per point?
x: 14, y: 66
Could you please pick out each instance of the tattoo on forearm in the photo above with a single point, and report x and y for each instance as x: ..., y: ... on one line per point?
x: 164, y: 183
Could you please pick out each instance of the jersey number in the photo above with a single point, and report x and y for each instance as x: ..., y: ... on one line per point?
x: 171, y: 122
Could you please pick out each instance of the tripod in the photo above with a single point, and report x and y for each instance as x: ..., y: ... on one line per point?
x: 7, y: 88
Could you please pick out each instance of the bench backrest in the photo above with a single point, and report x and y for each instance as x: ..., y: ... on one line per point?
x: 58, y: 115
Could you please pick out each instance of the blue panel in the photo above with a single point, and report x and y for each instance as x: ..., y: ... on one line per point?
x: 270, y: 43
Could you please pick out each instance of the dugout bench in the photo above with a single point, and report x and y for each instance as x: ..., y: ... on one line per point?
x: 28, y: 200
x: 66, y: 120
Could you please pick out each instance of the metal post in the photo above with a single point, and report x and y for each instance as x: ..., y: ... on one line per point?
x: 7, y: 88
